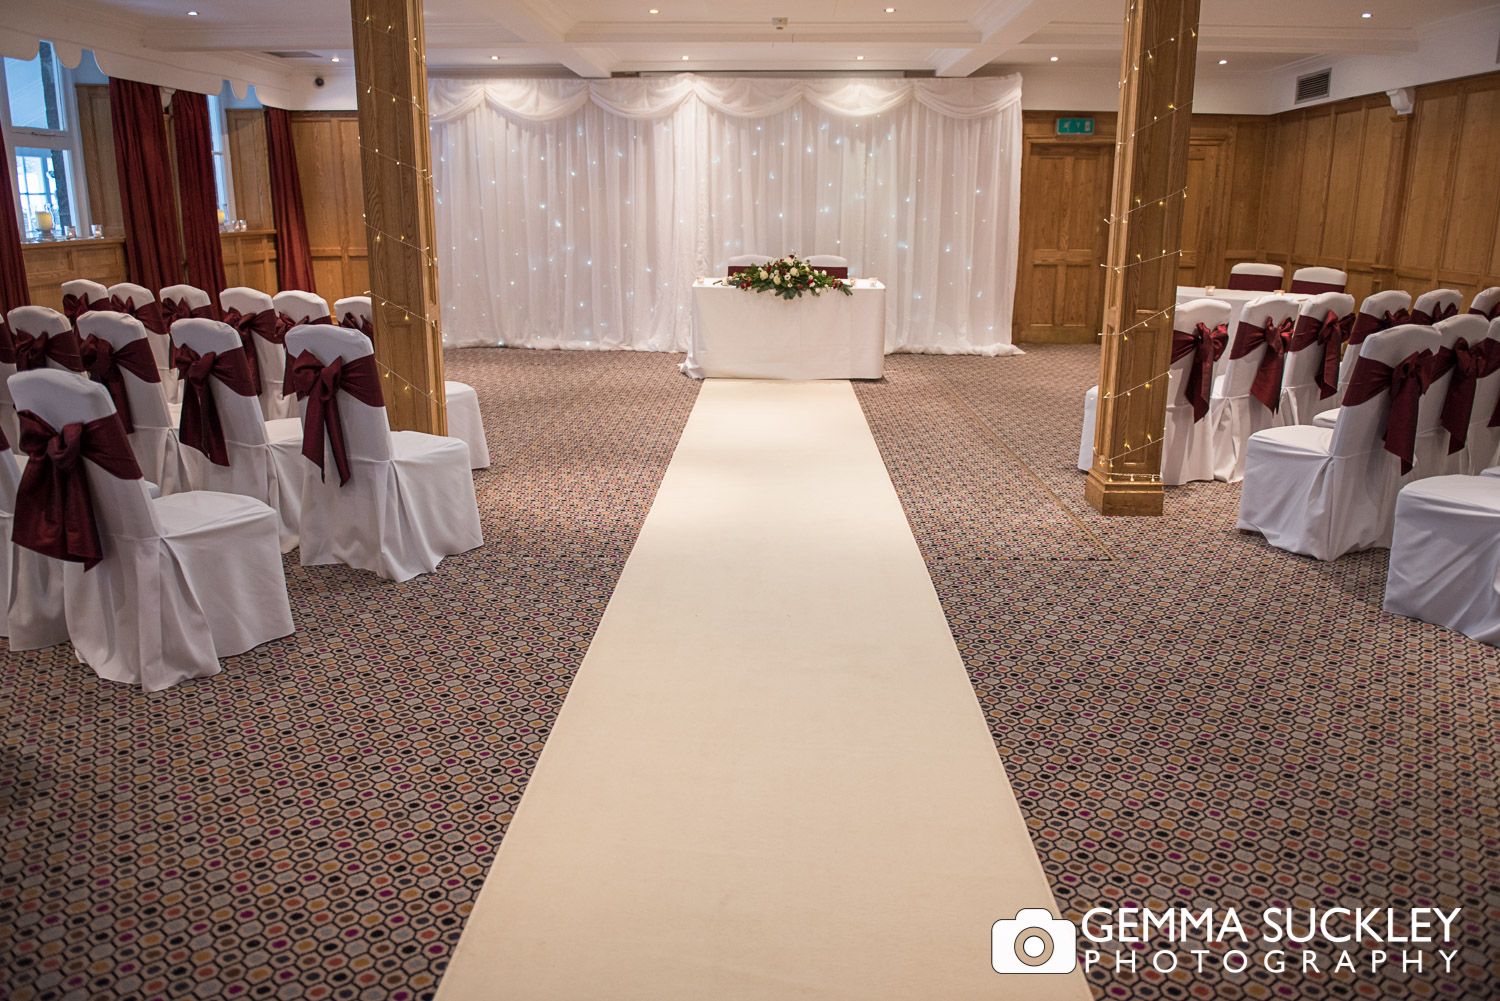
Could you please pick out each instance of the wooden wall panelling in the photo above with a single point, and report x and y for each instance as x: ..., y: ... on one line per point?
x: 49, y: 264
x: 328, y: 166
x: 97, y: 138
x: 250, y: 260
x: 245, y: 129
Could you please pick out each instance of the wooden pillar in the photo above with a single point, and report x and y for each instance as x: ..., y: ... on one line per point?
x: 390, y: 72
x: 1145, y: 242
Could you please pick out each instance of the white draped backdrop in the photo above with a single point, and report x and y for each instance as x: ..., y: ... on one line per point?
x: 576, y: 214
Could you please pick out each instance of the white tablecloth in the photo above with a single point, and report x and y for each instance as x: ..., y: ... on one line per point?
x: 756, y: 335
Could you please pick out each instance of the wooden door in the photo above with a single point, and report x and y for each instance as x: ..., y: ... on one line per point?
x: 1202, y: 253
x: 1060, y: 288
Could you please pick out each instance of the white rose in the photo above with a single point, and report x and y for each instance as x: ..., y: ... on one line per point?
x: 776, y: 279
x: 823, y: 273
x: 762, y: 274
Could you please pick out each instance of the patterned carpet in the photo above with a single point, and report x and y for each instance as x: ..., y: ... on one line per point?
x: 1187, y: 715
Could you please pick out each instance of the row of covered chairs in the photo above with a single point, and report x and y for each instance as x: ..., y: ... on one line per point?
x: 154, y: 588
x: 1288, y: 362
x: 1252, y: 276
x: 262, y: 321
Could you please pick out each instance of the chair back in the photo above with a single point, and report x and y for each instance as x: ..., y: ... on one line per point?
x: 1361, y: 428
x: 39, y: 320
x: 1251, y: 276
x: 122, y: 508
x: 246, y: 300
x: 836, y: 266
x: 10, y: 478
x: 1486, y: 303
x: 1258, y: 312
x: 1210, y: 313
x: 367, y: 431
x: 1487, y: 389
x: 356, y: 306
x: 91, y: 293
x: 1314, y: 280
x: 300, y: 306
x: 240, y: 416
x: 188, y: 295
x: 743, y: 261
x: 1302, y: 366
x: 1472, y: 329
x: 148, y: 400
x: 139, y: 294
x: 1376, y: 304
x: 1438, y: 300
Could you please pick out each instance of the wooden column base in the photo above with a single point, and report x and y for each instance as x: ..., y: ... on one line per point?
x: 1122, y: 497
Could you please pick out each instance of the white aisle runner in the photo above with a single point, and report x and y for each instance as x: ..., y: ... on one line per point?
x: 771, y: 778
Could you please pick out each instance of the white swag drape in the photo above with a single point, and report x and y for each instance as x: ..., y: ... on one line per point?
x: 576, y: 214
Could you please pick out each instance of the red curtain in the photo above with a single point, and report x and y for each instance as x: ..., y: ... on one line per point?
x: 293, y: 255
x: 153, y: 254
x: 200, y: 200
x: 13, y: 289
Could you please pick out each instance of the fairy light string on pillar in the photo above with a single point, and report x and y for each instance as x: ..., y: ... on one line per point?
x: 1125, y: 146
x: 424, y: 179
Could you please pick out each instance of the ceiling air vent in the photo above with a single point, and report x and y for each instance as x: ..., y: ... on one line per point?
x: 1313, y: 86
x: 299, y: 54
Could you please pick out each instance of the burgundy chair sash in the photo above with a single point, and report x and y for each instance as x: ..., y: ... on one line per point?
x: 148, y: 313
x: 1331, y: 332
x: 1254, y: 283
x: 75, y: 306
x: 1206, y: 345
x: 267, y: 324
x: 319, y: 385
x: 173, y: 310
x: 1314, y: 288
x: 1366, y: 324
x: 103, y: 364
x: 7, y: 343
x: 1469, y: 365
x: 1492, y: 314
x: 33, y: 350
x: 200, y: 426
x: 1275, y: 336
x: 288, y: 322
x: 1406, y: 383
x: 54, y: 512
x: 1439, y: 312
x: 360, y: 323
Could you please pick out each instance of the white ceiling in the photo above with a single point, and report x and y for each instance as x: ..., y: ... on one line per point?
x: 948, y: 37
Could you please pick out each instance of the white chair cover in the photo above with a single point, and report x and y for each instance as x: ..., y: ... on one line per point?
x: 1486, y: 303
x: 1481, y: 448
x: 750, y: 260
x: 161, y: 346
x: 357, y: 306
x: 31, y: 585
x: 1320, y: 276
x: 269, y: 355
x: 265, y: 459
x: 38, y: 320
x: 1257, y: 268
x: 410, y: 499
x: 1187, y: 445
x: 92, y: 293
x: 1323, y: 492
x: 1254, y: 276
x: 1430, y: 304
x: 1301, y: 397
x: 828, y: 261
x: 190, y: 295
x: 1234, y: 414
x: 1445, y: 555
x: 1378, y: 304
x: 1432, y: 457
x: 154, y: 439
x: 300, y: 306
x: 185, y: 579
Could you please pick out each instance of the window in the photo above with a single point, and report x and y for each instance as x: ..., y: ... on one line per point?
x: 41, y: 136
x: 221, y: 156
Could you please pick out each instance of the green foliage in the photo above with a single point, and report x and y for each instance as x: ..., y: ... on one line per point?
x: 787, y: 278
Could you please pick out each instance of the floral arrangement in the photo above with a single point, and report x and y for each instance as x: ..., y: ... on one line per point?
x: 788, y: 278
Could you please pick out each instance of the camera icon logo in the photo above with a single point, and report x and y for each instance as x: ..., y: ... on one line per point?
x: 1033, y: 942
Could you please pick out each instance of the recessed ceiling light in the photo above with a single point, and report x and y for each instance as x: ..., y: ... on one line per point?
x: 494, y: 59
x: 686, y: 58
x: 1053, y: 59
x: 1223, y: 62
x: 859, y: 57
x: 335, y: 59
x: 890, y: 10
x: 1365, y: 14
x: 194, y: 13
x: 653, y: 10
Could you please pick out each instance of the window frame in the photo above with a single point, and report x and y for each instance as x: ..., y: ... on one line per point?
x: 219, y: 122
x: 67, y: 139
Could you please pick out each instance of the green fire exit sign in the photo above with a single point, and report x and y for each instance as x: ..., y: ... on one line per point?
x: 1075, y: 126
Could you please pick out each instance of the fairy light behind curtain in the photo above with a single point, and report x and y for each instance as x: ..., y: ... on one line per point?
x: 576, y: 214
